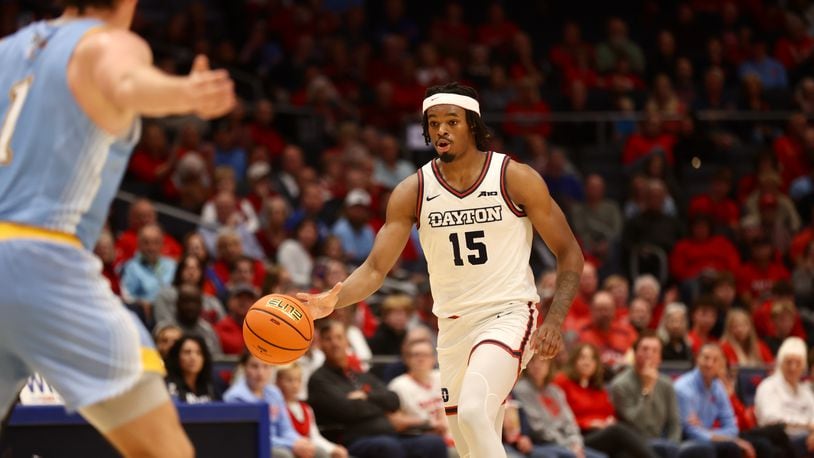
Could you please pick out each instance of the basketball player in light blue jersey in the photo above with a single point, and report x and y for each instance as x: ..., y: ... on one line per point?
x: 71, y: 93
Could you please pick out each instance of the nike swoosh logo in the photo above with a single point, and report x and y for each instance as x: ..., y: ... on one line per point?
x: 433, y: 197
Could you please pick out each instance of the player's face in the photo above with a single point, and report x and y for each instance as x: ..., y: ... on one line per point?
x: 449, y: 132
x: 191, y: 357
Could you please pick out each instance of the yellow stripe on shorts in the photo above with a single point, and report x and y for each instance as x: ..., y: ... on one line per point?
x: 151, y: 361
x: 13, y: 231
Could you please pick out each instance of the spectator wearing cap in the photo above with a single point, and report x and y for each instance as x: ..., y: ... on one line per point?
x: 188, y: 317
x: 781, y: 398
x: 353, y: 228
x: 701, y: 251
x: 756, y: 277
x: 230, y: 328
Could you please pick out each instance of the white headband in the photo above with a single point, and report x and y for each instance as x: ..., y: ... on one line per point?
x: 446, y: 98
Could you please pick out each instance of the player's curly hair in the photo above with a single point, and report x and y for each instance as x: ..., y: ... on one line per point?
x: 81, y: 5
x: 473, y: 120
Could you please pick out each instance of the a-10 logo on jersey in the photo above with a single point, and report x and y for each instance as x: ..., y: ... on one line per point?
x: 468, y: 216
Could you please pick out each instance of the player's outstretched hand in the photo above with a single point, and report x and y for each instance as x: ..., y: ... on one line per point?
x: 212, y: 91
x: 322, y: 304
x: 547, y: 341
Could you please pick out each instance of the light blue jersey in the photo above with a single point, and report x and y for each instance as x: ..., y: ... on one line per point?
x: 58, y: 170
x: 58, y: 175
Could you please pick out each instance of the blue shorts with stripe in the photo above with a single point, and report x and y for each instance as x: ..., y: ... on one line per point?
x: 59, y: 318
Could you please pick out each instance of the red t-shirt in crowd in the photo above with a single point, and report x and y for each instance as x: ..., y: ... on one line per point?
x: 517, y: 125
x: 757, y: 281
x: 725, y: 212
x: 764, y: 326
x: 791, y: 53
x: 690, y: 257
x: 268, y: 137
x: 638, y: 146
x: 792, y: 158
x: 613, y: 343
x: 222, y: 272
x: 765, y: 354
x: 588, y: 404
x: 231, y: 335
x: 578, y: 315
x: 800, y: 242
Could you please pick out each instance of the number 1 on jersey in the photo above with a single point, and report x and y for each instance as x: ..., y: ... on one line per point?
x: 16, y: 98
x: 473, y: 244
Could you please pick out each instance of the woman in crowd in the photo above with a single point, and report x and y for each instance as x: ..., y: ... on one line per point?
x: 583, y: 385
x: 673, y: 334
x: 189, y: 371
x: 740, y: 342
x: 189, y: 272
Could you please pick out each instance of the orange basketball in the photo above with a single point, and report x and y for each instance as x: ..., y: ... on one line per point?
x: 278, y: 329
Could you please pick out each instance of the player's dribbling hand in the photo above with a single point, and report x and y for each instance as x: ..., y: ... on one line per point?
x: 547, y: 341
x: 322, y: 304
x: 212, y: 92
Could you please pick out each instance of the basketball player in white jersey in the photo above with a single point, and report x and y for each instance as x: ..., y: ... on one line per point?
x: 72, y: 92
x: 476, y: 211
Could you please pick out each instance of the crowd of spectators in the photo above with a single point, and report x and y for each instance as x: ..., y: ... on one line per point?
x: 697, y: 225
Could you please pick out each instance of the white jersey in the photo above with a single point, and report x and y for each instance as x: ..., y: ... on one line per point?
x: 416, y: 398
x: 477, y: 242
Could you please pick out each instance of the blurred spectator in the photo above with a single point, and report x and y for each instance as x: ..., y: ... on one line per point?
x: 597, y: 222
x: 188, y: 309
x: 311, y: 205
x: 289, y: 381
x: 618, y: 46
x: 230, y: 328
x: 229, y: 250
x: 706, y: 414
x: 450, y: 30
x: 262, y: 130
x: 272, y: 232
x: 613, y: 338
x: 740, y: 343
x: 714, y: 95
x: 148, y: 272
x: 704, y: 314
x: 582, y: 381
x: 191, y: 183
x: 497, y: 31
x: 396, y: 311
x: 189, y: 371
x: 230, y: 217
x: 106, y: 251
x: 685, y: 85
x: 141, y: 214
x: 552, y: 427
x: 524, y: 114
x: 619, y: 288
x: 566, y: 54
x: 796, y: 46
x: 650, y: 140
x: 770, y: 71
x: 353, y: 228
x: 565, y: 186
x: 285, y: 179
x: 803, y: 280
x: 791, y: 149
x: 229, y: 153
x: 579, y: 312
x: 255, y: 387
x: 390, y: 168
x: 664, y: 101
x: 499, y: 92
x: 296, y: 254
x: 640, y: 314
x: 782, y: 399
x: 672, y: 332
x: 653, y: 225
x: 717, y: 203
x: 622, y: 79
x: 165, y: 337
x: 646, y: 402
x: 783, y: 315
x: 365, y: 408
x: 189, y: 272
x: 419, y: 389
x: 756, y: 276
x: 764, y: 319
x: 701, y: 252
x: 804, y: 95
x: 258, y: 179
x: 243, y: 213
x: 152, y: 162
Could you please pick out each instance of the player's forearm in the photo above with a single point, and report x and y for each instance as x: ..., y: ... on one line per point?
x: 363, y: 282
x: 569, y: 269
x: 150, y: 92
